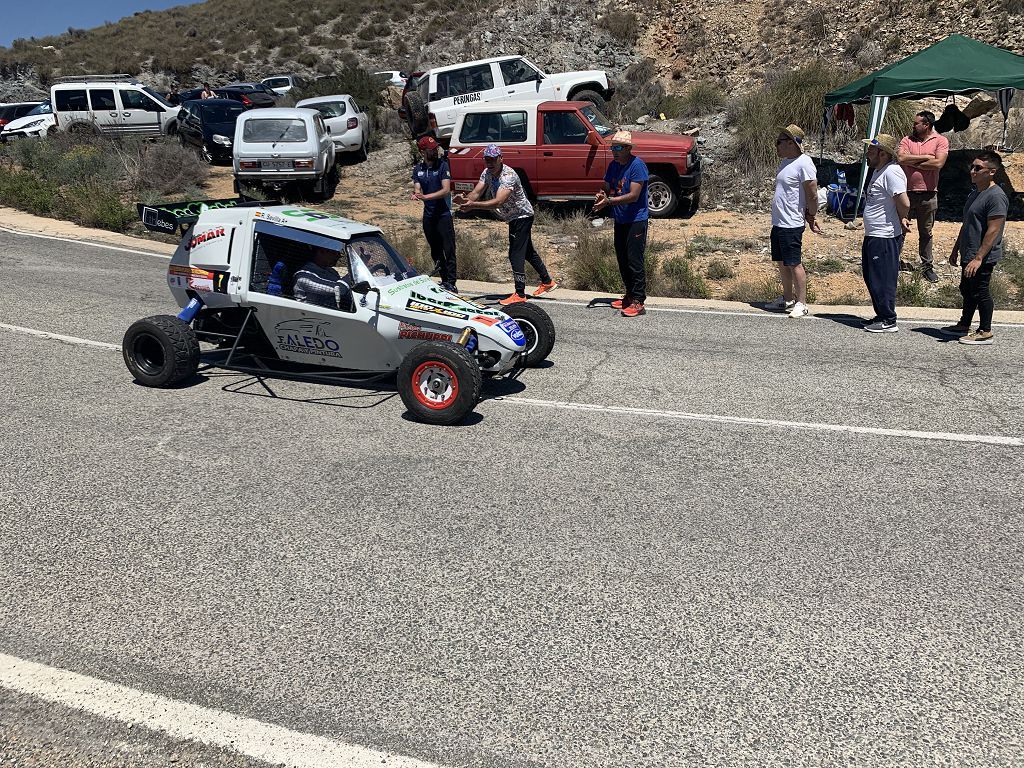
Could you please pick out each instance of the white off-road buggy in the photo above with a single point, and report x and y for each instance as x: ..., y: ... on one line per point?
x: 233, y: 275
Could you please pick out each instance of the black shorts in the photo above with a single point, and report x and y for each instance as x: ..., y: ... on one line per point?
x: 786, y: 244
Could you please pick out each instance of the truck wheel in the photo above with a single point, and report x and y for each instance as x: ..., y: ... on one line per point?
x: 439, y: 382
x: 536, y: 325
x: 593, y: 97
x: 417, y: 112
x: 161, y: 351
x: 662, y: 197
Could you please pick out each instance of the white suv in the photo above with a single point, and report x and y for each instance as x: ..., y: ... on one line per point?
x: 111, y: 104
x: 433, y: 105
x: 276, y: 148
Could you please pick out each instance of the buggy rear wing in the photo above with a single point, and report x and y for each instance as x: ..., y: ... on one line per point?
x: 167, y: 217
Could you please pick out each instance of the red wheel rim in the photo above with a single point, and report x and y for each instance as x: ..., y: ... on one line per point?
x: 435, y: 385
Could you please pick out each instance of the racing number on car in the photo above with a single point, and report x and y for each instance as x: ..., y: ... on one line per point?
x: 220, y: 282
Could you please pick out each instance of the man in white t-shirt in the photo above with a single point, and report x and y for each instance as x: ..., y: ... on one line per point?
x: 886, y: 222
x: 795, y: 203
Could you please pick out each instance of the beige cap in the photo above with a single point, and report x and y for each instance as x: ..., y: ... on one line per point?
x: 622, y: 137
x: 884, y: 142
x: 796, y: 133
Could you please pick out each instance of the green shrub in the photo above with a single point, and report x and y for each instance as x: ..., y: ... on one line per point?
x: 27, y: 192
x: 700, y: 245
x: 825, y: 266
x: 700, y: 98
x: 680, y: 279
x: 911, y: 291
x: 592, y: 266
x: 756, y: 291
x: 622, y: 25
x: 94, y: 205
x: 720, y: 270
x: 471, y: 256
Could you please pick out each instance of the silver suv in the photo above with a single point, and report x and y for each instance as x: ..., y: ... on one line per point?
x: 281, y: 148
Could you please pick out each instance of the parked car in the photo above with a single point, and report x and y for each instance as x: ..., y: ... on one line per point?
x: 110, y: 104
x: 208, y: 126
x: 561, y: 151
x: 441, y: 93
x: 350, y: 125
x: 13, y: 111
x: 282, y: 84
x: 36, y: 123
x: 281, y: 148
x: 247, y: 96
x: 393, y: 77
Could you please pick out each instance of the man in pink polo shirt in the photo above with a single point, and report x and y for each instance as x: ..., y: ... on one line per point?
x: 922, y: 155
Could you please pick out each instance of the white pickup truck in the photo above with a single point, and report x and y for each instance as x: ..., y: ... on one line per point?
x: 434, y: 104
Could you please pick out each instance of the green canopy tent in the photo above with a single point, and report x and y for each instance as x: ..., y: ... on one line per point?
x: 956, y: 65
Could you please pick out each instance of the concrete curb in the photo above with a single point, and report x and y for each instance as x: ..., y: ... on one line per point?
x: 26, y: 223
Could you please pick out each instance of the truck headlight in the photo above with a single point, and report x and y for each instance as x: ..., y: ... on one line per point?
x: 224, y: 141
x: 33, y: 124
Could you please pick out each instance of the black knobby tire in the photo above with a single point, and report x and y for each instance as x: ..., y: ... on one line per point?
x: 417, y: 112
x: 662, y: 197
x: 593, y: 97
x: 161, y: 351
x: 439, y: 382
x: 539, y: 330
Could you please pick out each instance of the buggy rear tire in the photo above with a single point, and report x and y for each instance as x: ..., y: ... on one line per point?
x: 439, y: 382
x: 161, y: 351
x: 539, y: 330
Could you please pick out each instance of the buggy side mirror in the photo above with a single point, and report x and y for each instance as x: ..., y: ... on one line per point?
x: 362, y: 287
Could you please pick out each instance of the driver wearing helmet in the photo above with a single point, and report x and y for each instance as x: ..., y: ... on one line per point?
x: 318, y: 282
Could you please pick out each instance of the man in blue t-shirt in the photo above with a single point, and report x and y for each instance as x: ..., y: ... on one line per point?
x: 432, y: 184
x: 625, y: 192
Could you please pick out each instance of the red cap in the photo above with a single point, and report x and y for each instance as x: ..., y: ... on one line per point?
x: 426, y: 142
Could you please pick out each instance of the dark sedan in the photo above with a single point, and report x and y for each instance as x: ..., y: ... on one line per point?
x: 208, y: 126
x: 250, y: 99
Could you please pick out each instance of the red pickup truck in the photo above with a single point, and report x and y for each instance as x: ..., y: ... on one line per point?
x: 561, y: 151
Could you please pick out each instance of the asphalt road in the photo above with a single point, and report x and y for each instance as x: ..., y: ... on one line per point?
x: 539, y: 587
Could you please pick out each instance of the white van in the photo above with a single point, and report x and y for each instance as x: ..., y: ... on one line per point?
x: 117, y: 105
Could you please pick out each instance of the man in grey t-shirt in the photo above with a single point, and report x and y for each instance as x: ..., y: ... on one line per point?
x: 979, y: 247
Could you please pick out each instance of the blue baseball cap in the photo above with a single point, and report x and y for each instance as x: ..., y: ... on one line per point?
x: 492, y: 150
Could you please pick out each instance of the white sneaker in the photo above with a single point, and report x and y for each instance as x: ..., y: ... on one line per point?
x: 799, y: 310
x: 779, y: 305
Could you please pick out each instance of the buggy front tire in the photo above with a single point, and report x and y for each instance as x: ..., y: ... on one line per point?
x: 161, y: 351
x: 439, y: 382
x: 538, y: 329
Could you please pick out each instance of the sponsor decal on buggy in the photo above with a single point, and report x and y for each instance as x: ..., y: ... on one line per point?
x: 408, y: 284
x: 306, y: 337
x: 488, y: 321
x: 204, y: 237
x: 468, y: 98
x: 151, y: 218
x: 270, y: 217
x: 511, y: 327
x: 309, y: 214
x: 204, y: 280
x: 462, y: 305
x: 430, y: 309
x: 410, y: 331
x: 464, y: 302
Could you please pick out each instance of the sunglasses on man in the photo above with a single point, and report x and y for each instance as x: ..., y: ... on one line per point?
x: 979, y: 168
x: 617, y: 147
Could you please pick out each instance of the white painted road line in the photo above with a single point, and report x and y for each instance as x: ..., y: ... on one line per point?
x: 810, y: 426
x: 181, y: 720
x: 60, y: 337
x: 623, y: 410
x: 83, y: 242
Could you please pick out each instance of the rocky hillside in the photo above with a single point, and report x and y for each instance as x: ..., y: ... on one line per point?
x: 735, y: 45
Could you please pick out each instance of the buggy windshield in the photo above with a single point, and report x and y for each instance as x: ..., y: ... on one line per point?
x: 374, y: 260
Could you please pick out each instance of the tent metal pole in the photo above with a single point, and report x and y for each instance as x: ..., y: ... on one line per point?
x: 876, y: 116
